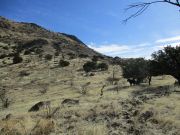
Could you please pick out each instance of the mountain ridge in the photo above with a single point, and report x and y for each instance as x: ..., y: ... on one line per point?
x: 19, y: 33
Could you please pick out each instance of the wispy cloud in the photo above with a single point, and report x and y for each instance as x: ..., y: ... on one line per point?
x: 139, y: 50
x: 166, y: 40
x: 172, y: 44
x: 111, y: 48
x: 133, y: 51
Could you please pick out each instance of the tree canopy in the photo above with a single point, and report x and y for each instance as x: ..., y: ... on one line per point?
x: 167, y: 61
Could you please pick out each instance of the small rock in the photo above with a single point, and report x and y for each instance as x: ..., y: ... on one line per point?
x: 70, y: 101
x: 145, y: 116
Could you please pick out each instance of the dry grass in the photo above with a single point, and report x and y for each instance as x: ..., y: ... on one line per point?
x: 25, y: 92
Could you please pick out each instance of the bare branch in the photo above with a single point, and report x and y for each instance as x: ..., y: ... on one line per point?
x: 142, y: 6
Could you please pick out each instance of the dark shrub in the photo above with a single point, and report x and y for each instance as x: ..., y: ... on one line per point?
x: 5, y: 48
x: 23, y: 73
x: 83, y: 55
x: 34, y: 43
x: 95, y: 58
x: 71, y: 55
x: 17, y: 59
x: 38, y: 50
x: 48, y: 57
x: 2, y: 56
x: 89, y: 66
x: 136, y: 68
x: 102, y: 66
x: 27, y: 52
x: 56, y: 53
x: 57, y: 46
x: 63, y: 63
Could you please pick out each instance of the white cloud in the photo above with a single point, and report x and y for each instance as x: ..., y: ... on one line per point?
x: 127, y: 51
x: 133, y: 51
x: 110, y: 49
x: 172, y: 44
x: 166, y: 40
x: 144, y: 44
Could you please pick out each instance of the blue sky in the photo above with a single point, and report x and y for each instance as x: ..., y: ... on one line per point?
x: 98, y: 23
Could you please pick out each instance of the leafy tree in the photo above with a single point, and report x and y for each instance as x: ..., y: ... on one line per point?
x: 167, y: 61
x: 135, y: 68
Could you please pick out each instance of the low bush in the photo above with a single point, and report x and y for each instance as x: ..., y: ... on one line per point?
x: 17, y: 59
x: 27, y: 52
x: 63, y: 63
x: 71, y: 55
x: 89, y: 66
x: 102, y: 66
x: 95, y: 58
x: 83, y: 55
x: 23, y: 73
x: 48, y: 57
x: 2, y: 56
x: 56, y: 53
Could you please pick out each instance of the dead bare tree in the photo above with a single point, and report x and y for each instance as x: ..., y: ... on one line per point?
x: 3, y: 97
x: 143, y: 6
x: 72, y: 76
x: 101, y: 91
x: 84, y: 88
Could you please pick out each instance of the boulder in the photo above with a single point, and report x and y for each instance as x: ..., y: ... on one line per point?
x: 70, y: 102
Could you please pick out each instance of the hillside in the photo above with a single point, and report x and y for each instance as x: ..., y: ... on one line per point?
x: 46, y: 98
x: 30, y: 36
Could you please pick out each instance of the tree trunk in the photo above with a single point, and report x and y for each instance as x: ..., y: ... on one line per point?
x: 149, y: 80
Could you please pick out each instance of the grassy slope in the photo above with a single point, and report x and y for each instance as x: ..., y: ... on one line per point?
x: 25, y: 92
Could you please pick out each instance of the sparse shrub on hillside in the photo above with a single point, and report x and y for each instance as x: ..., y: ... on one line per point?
x: 48, y: 57
x: 63, y: 63
x: 56, y: 53
x: 27, y: 52
x: 5, y: 47
x: 23, y: 73
x: 17, y: 59
x: 83, y: 55
x: 2, y: 56
x: 31, y: 45
x: 57, y: 46
x: 89, y: 66
x: 95, y: 58
x: 71, y: 55
x: 4, y: 62
x: 38, y: 51
x: 102, y: 66
x: 34, y: 43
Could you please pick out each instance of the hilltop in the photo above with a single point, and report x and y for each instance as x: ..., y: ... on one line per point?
x: 30, y: 36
